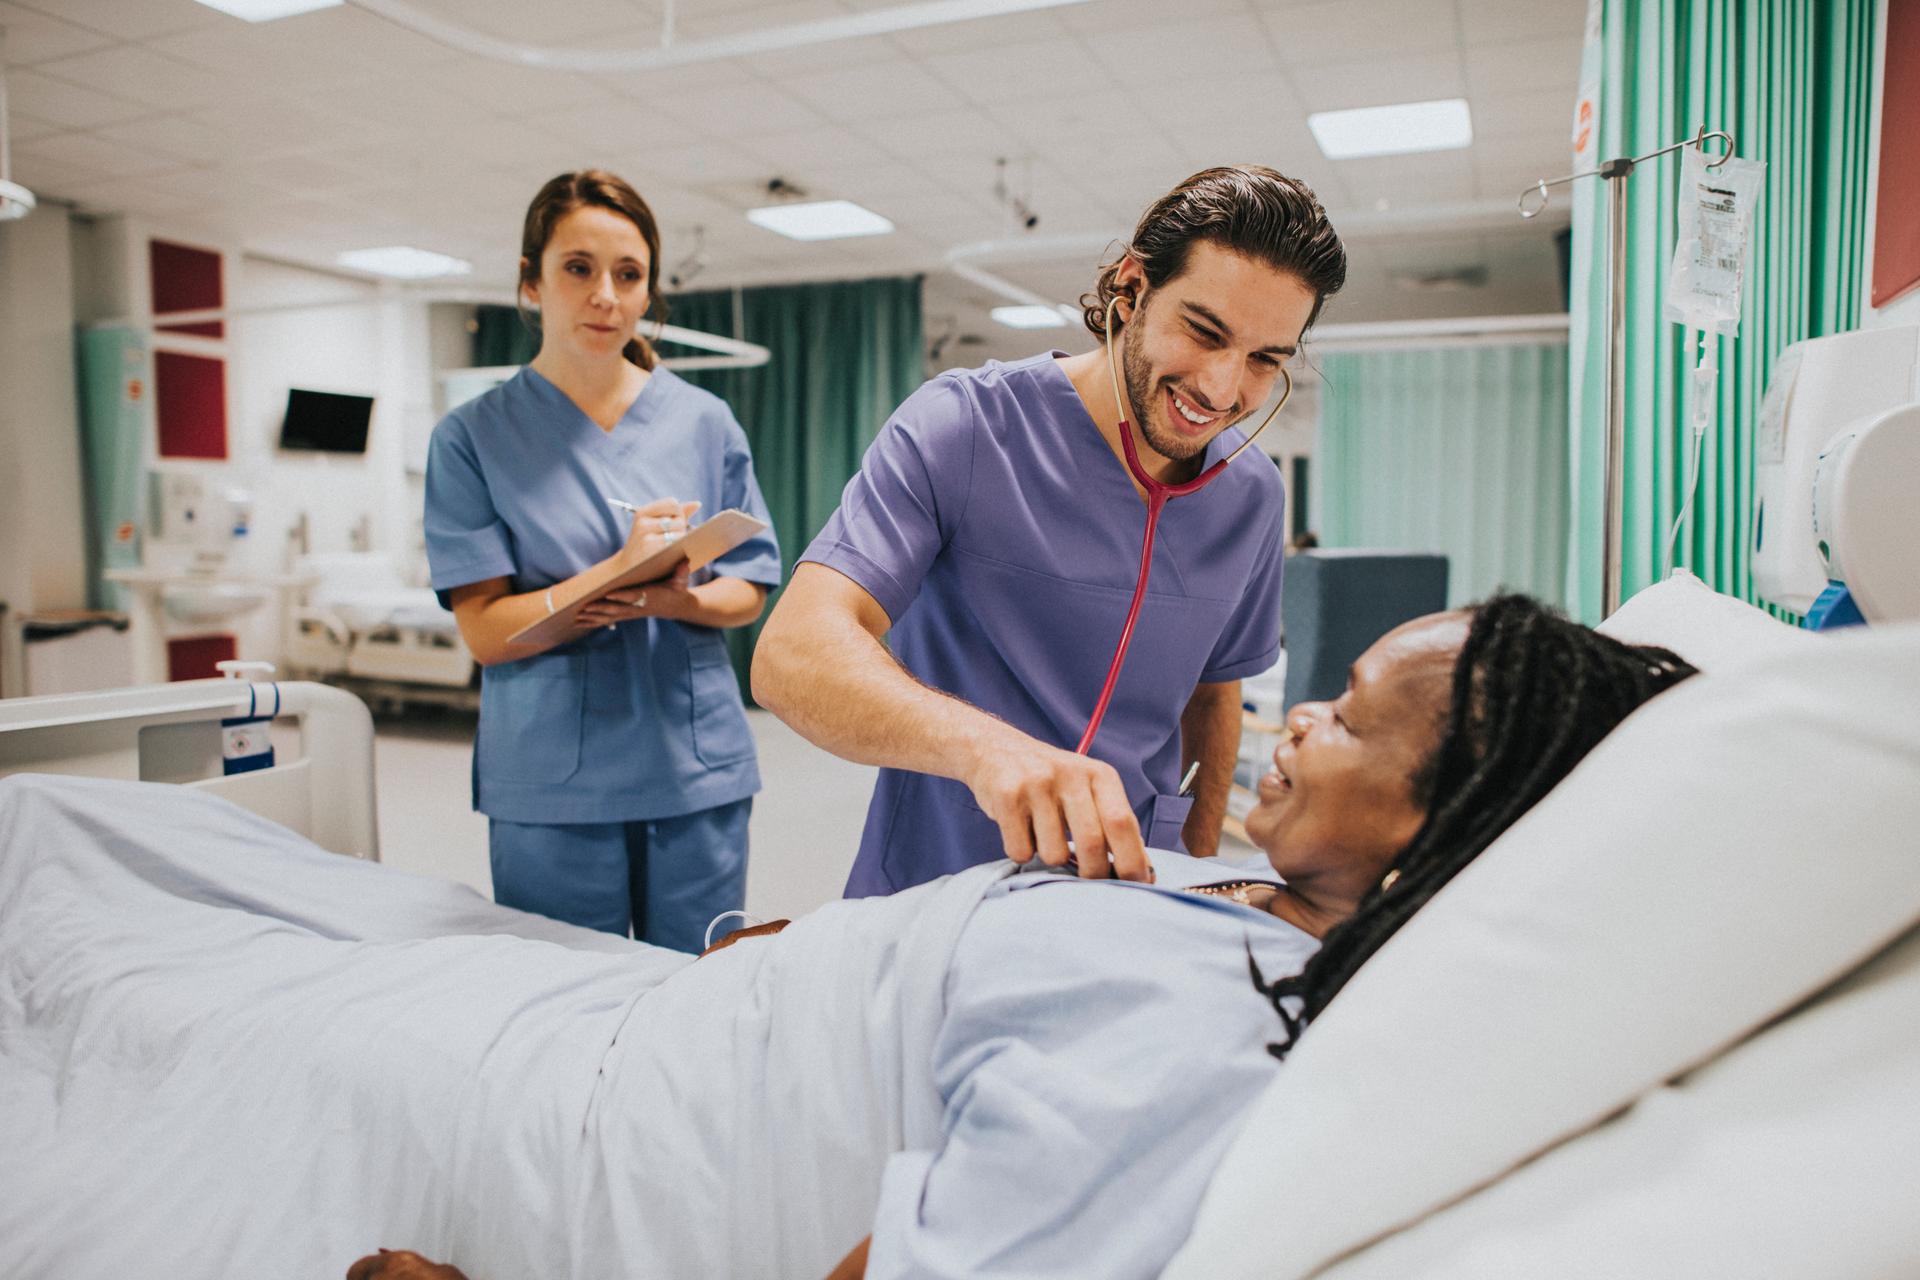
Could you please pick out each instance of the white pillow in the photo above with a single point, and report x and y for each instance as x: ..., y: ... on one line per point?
x: 1706, y: 628
x: 1736, y: 845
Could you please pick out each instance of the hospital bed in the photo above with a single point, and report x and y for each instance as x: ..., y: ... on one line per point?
x: 1667, y: 1025
x: 362, y: 627
x: 317, y: 779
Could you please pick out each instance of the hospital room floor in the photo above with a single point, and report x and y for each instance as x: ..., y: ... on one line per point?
x: 806, y: 820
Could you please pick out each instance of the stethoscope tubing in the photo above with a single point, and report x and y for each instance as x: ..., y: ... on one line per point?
x: 1159, y: 493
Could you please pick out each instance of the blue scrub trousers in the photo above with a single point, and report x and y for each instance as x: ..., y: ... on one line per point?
x: 664, y: 880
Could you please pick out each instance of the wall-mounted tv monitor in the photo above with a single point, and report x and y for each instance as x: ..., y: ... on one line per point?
x: 326, y: 421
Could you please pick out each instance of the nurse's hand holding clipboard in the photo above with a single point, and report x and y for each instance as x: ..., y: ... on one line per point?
x: 656, y: 525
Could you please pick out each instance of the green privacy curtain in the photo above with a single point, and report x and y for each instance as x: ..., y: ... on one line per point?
x: 845, y: 354
x: 114, y: 388
x: 1791, y: 81
x: 1459, y: 450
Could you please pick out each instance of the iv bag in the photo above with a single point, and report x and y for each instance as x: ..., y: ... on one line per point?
x: 1710, y: 254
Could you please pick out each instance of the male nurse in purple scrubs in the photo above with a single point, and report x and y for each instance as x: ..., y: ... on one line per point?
x: 992, y: 540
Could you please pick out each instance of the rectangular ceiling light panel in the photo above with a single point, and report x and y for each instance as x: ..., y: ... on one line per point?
x: 403, y: 262
x: 268, y: 10
x: 1401, y: 129
x: 820, y: 220
x: 1030, y: 317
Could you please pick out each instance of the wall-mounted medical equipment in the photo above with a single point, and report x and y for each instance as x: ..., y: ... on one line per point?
x: 326, y: 421
x: 198, y: 518
x: 1836, y: 467
x: 1532, y: 202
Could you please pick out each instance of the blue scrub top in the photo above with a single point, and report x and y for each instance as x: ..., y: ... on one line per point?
x: 1100, y: 1045
x: 639, y: 722
x: 1001, y: 534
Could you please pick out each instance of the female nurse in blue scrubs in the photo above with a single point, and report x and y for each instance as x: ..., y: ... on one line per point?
x: 615, y: 766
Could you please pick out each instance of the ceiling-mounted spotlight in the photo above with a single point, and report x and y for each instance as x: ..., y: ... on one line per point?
x: 15, y: 200
x: 680, y: 276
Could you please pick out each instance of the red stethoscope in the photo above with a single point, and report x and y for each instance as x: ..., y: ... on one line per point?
x: 1159, y: 493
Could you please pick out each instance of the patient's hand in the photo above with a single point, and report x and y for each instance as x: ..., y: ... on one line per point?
x: 401, y: 1264
x: 754, y: 931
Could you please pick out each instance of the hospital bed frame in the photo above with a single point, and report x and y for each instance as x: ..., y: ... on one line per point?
x: 320, y: 784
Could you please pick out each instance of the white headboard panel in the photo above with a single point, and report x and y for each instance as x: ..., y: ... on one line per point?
x: 321, y: 783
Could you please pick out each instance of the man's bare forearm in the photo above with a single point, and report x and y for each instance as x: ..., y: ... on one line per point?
x: 1210, y: 734
x: 824, y: 673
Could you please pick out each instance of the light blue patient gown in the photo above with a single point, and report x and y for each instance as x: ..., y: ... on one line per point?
x: 617, y: 769
x: 1078, y: 1136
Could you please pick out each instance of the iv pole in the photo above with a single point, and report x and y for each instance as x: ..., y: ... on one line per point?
x: 1614, y: 403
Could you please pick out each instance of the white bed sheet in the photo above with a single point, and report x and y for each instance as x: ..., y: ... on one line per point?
x: 176, y: 978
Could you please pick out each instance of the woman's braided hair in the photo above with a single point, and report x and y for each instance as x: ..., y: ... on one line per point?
x: 1532, y: 693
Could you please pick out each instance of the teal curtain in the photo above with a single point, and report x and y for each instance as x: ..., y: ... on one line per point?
x: 845, y: 354
x: 113, y: 368
x: 501, y: 337
x: 1459, y: 450
x: 1791, y: 81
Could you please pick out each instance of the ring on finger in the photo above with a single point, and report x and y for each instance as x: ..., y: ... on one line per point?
x: 666, y: 523
x: 641, y: 603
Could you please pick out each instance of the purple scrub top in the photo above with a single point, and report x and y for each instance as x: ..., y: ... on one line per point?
x: 1002, y: 536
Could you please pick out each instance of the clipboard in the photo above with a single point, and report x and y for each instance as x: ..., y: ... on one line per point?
x: 703, y: 544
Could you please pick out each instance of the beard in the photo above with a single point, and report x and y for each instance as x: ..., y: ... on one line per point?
x: 1143, y: 392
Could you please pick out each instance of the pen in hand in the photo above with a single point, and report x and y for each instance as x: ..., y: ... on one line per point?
x: 1186, y: 783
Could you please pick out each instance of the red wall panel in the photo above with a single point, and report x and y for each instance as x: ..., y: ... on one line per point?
x: 1896, y: 219
x: 185, y: 279
x: 190, y: 403
x: 192, y: 657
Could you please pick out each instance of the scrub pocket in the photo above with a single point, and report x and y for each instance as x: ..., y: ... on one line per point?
x: 530, y: 714
x: 1162, y: 820
x: 720, y: 734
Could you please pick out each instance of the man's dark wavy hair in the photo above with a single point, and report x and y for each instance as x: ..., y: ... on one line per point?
x: 1249, y: 209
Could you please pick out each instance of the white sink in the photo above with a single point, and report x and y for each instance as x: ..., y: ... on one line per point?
x: 212, y: 601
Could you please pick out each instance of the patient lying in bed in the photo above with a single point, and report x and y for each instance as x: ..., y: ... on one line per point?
x: 225, y: 1051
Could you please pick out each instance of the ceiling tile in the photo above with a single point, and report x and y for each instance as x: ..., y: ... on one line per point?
x: 1525, y: 66
x: 1535, y: 114
x: 822, y: 59
x: 130, y: 195
x: 994, y: 77
x: 113, y: 159
x: 946, y: 135
x: 1010, y: 30
x: 691, y: 164
x: 132, y: 19
x: 737, y: 109
x: 67, y: 105
x: 1495, y: 21
x: 140, y: 75
x: 1115, y: 15
x: 500, y: 89
x: 873, y: 92
x: 1379, y: 82
x: 1184, y: 55
x: 36, y: 37
x: 24, y: 128
x: 1330, y: 32
x: 801, y: 150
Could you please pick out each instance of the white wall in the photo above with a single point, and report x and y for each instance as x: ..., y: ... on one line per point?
x: 1904, y: 309
x: 42, y: 507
